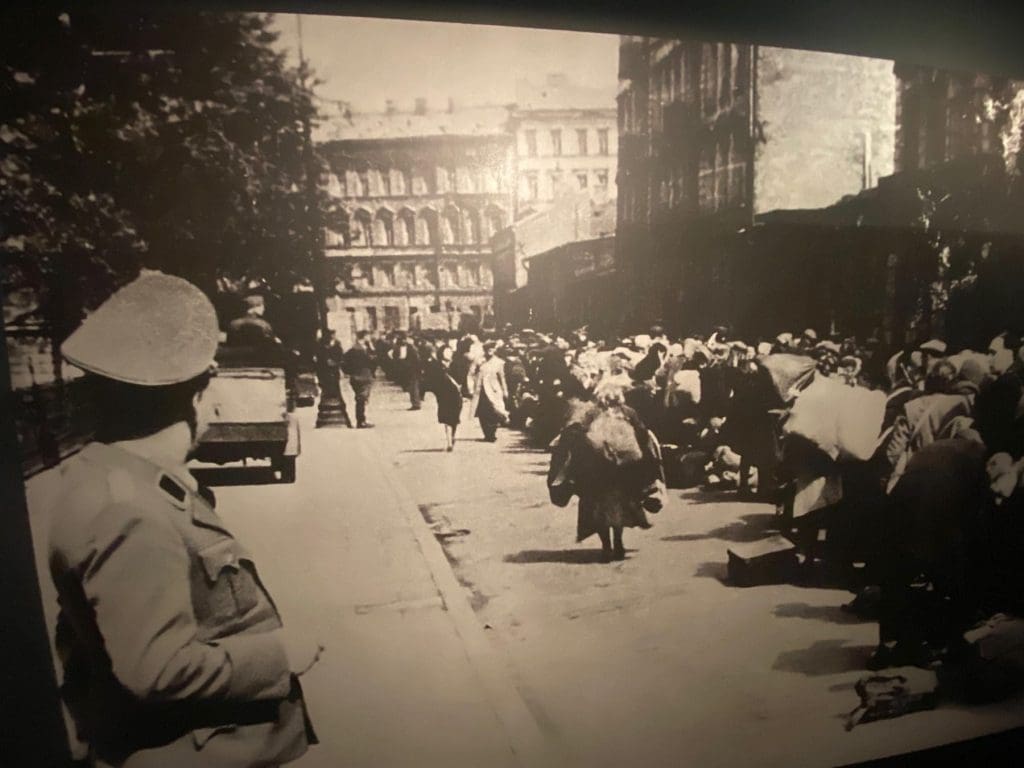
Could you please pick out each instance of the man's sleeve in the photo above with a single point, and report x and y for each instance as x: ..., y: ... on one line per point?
x: 137, y: 581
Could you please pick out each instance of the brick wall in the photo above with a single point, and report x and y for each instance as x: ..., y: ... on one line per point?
x: 814, y: 109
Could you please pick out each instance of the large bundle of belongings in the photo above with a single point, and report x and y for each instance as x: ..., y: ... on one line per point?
x: 608, y: 458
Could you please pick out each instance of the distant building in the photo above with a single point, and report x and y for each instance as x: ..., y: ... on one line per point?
x: 566, y: 141
x: 575, y: 285
x: 416, y: 198
x: 571, y: 217
x: 714, y: 134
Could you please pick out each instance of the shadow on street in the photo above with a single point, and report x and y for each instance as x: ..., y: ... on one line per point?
x: 828, y: 613
x: 825, y: 657
x: 748, y: 528
x: 569, y: 556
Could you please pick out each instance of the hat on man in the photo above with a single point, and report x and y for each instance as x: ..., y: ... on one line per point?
x: 764, y: 348
x: 934, y: 346
x: 784, y: 339
x: 811, y: 334
x: 155, y: 331
x: 829, y: 346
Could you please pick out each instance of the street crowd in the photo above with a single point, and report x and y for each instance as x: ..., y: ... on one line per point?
x: 898, y: 473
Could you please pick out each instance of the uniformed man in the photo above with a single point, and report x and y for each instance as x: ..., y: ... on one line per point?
x: 252, y: 330
x: 173, y: 652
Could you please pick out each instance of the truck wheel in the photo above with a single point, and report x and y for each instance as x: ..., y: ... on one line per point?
x: 286, y: 467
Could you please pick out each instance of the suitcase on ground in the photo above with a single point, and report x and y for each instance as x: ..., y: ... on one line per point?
x: 769, y: 561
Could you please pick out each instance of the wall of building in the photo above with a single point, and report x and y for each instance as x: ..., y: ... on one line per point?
x: 551, y: 159
x: 820, y: 116
x: 408, y: 239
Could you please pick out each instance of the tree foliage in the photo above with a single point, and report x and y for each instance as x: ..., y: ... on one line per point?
x: 158, y: 140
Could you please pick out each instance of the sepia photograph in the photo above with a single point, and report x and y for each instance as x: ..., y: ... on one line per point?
x: 391, y: 392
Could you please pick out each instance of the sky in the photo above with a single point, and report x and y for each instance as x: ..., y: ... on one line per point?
x: 366, y: 61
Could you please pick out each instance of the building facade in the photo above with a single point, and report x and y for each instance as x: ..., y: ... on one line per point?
x: 572, y: 217
x: 714, y: 134
x: 566, y: 141
x: 575, y: 285
x: 415, y: 200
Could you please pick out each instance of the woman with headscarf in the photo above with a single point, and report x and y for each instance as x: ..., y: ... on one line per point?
x: 611, y: 461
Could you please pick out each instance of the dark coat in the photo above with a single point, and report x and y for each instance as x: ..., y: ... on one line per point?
x: 447, y: 392
x: 999, y: 416
x: 359, y: 363
x: 610, y: 495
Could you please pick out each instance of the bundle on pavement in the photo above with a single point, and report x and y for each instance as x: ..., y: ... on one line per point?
x: 902, y: 691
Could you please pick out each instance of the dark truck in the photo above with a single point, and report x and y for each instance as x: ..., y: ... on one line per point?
x: 252, y: 423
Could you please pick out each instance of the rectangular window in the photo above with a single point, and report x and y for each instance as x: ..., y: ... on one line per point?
x: 371, y: 318
x: 602, y: 141
x: 709, y: 79
x: 532, y: 190
x: 531, y: 143
x: 392, y: 319
x: 581, y: 179
x: 602, y: 179
x: 556, y: 182
x: 581, y: 140
x: 556, y: 142
x: 725, y: 75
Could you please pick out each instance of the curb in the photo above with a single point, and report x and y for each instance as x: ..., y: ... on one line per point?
x: 526, y: 741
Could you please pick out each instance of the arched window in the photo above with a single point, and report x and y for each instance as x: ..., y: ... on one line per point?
x: 405, y: 227
x: 353, y: 184
x: 359, y: 228
x: 398, y: 185
x: 425, y: 227
x: 470, y: 226
x: 450, y: 225
x: 494, y: 221
x: 419, y: 182
x: 383, y: 233
x: 334, y: 188
x: 464, y: 180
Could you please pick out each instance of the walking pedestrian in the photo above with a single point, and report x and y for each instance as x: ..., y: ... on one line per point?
x: 490, y: 393
x: 360, y: 365
x: 406, y: 362
x: 173, y: 651
x: 611, y: 461
x: 441, y: 381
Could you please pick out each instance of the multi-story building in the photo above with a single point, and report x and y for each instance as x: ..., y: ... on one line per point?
x: 714, y: 134
x: 416, y: 198
x: 566, y: 141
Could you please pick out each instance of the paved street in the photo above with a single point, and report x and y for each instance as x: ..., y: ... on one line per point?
x: 520, y: 645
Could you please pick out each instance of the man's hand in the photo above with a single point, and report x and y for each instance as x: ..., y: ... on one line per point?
x: 302, y: 652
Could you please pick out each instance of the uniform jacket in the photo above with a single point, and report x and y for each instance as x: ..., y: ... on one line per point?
x: 359, y: 363
x: 170, y: 644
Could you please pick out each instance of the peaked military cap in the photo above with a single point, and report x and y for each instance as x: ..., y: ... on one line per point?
x: 157, y: 330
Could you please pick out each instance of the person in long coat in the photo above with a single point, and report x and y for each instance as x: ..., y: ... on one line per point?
x: 490, y: 393
x: 618, y: 482
x: 440, y: 379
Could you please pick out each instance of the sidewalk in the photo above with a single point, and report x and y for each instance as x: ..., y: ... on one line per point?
x: 404, y: 681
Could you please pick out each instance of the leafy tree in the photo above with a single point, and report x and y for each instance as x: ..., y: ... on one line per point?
x: 159, y: 140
